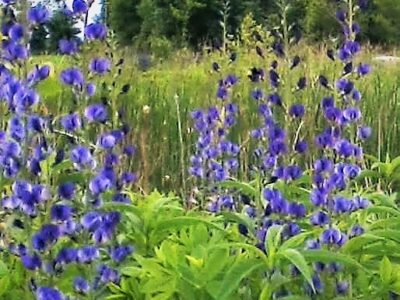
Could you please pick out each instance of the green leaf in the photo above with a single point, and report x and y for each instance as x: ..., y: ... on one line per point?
x: 299, y: 261
x: 177, y: 223
x: 243, y: 187
x: 357, y: 243
x: 383, y: 209
x: 385, y: 270
x: 215, y: 263
x: 295, y: 241
x: 3, y: 269
x: 388, y: 234
x: 326, y: 256
x: 4, y: 284
x: 235, y: 274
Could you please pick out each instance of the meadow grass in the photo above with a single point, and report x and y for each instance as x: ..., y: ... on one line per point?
x: 151, y: 107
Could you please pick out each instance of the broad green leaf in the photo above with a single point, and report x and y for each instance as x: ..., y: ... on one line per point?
x: 3, y: 269
x: 388, y: 234
x: 299, y: 261
x: 357, y: 243
x: 295, y: 241
x: 243, y: 187
x: 385, y: 270
x: 234, y: 275
x: 326, y: 256
x: 215, y: 263
x: 383, y: 209
x: 4, y: 284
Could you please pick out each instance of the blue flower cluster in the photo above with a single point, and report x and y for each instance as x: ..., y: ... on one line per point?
x: 216, y: 157
x: 59, y: 179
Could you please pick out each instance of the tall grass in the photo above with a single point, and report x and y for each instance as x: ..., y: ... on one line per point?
x: 151, y: 106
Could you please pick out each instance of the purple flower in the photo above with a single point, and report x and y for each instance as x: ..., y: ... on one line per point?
x: 16, y: 32
x: 47, y: 293
x: 342, y: 287
x: 38, y: 14
x: 364, y: 132
x: 15, y: 51
x: 31, y: 262
x: 96, y: 31
x: 66, y: 190
x: 331, y: 236
x: 107, y: 141
x: 99, y: 185
x: 100, y: 66
x: 60, y: 213
x: 81, y: 157
x: 68, y: 47
x: 73, y: 77
x: 87, y: 254
x: 96, y: 113
x: 66, y: 256
x: 319, y: 218
x: 363, y: 69
x: 119, y: 253
x: 345, y: 86
x: 71, y: 122
x: 356, y: 230
x: 301, y: 146
x: 297, y: 110
x: 352, y: 114
x: 297, y: 210
x: 79, y: 7
x: 341, y: 15
x: 257, y: 94
x: 108, y: 275
x: 81, y: 286
x: 90, y: 89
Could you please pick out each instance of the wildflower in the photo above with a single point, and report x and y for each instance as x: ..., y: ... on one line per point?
x: 66, y: 190
x: 96, y: 31
x: 38, y: 14
x: 73, y: 77
x: 47, y: 293
x: 87, y: 254
x: 81, y: 157
x: 119, y: 253
x: 81, y: 286
x: 297, y: 111
x: 71, y: 122
x: 60, y: 213
x: 31, y: 262
x: 68, y: 47
x: 16, y: 32
x: 100, y: 66
x: 79, y: 7
x: 96, y: 113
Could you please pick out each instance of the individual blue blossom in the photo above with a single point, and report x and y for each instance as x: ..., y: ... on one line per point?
x: 297, y: 210
x: 25, y: 99
x: 81, y: 285
x: 81, y: 157
x: 61, y: 213
x: 320, y: 218
x: 119, y: 253
x: 360, y: 203
x: 108, y: 274
x: 363, y: 69
x: 71, y: 122
x: 16, y: 32
x: 297, y: 110
x: 341, y: 15
x: 72, y: 76
x: 68, y: 47
x: 67, y: 190
x: 96, y: 113
x: 364, y: 132
x: 128, y: 178
x: 345, y: 86
x: 31, y: 262
x: 356, y: 230
x: 275, y: 99
x: 107, y: 141
x: 333, y: 236
x: 14, y: 51
x: 352, y: 114
x: 90, y: 89
x: 100, y: 66
x: 36, y: 123
x: 257, y: 94
x: 38, y: 14
x: 80, y: 7
x: 301, y: 146
x: 99, y: 185
x: 66, y: 256
x: 48, y: 293
x: 96, y: 31
x: 87, y: 254
x: 342, y: 287
x: 274, y: 78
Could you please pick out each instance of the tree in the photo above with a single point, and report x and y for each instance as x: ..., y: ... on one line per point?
x: 60, y: 27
